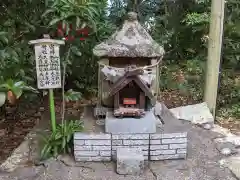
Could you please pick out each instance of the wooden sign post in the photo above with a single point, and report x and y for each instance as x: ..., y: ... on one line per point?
x: 48, y: 68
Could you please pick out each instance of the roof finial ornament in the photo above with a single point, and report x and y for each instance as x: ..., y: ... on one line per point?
x: 132, y: 16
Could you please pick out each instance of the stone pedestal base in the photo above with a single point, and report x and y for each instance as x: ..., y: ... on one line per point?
x: 146, y: 124
x: 130, y: 161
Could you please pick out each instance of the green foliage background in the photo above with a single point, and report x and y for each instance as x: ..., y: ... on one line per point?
x: 180, y: 26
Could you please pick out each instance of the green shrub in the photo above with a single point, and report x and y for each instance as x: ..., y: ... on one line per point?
x: 60, y: 141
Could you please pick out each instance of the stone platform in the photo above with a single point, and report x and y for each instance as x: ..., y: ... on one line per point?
x: 103, y: 147
x: 145, y: 124
x: 168, y: 143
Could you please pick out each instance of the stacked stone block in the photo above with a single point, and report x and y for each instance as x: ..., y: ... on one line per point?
x: 103, y: 147
x: 92, y: 147
x: 140, y: 141
x: 168, y: 146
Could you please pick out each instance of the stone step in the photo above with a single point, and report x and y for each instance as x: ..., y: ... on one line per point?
x: 130, y: 161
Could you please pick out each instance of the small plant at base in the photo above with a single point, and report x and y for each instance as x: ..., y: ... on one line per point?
x: 15, y: 89
x: 60, y: 141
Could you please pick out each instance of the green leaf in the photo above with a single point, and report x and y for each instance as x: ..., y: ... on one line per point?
x: 30, y: 26
x: 19, y: 84
x: 58, y: 135
x: 2, y: 98
x: 76, y: 51
x: 64, y: 143
x: 4, y: 39
x: 71, y: 95
x: 78, y: 21
x: 69, y: 137
x: 55, y: 21
x: 2, y: 33
x: 48, y: 11
x: 44, y: 138
x: 93, y: 10
x: 17, y: 92
x: 45, y: 151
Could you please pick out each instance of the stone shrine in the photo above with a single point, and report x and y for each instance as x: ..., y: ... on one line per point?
x: 128, y: 88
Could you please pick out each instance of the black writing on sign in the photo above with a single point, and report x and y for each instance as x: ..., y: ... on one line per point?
x: 48, y: 66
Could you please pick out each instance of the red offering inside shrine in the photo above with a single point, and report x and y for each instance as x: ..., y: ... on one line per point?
x: 129, y: 101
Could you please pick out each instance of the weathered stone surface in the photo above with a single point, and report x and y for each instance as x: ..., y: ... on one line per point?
x: 174, y: 141
x: 159, y: 123
x: 84, y: 136
x: 156, y: 141
x: 182, y: 151
x: 158, y: 147
x: 166, y: 157
x: 197, y: 114
x: 83, y: 148
x: 135, y: 142
x: 221, y: 131
x: 67, y: 160
x: 94, y: 158
x: 98, y: 142
x: 79, y: 142
x: 234, y: 140
x: 167, y: 116
x: 142, y: 125
x: 130, y: 136
x: 86, y: 153
x: 222, y: 145
x: 226, y: 151
x: 101, y: 148
x: 24, y: 173
x: 207, y: 126
x: 92, y: 148
x: 131, y: 41
x: 178, y: 146
x: 174, y: 135
x: 118, y: 142
x: 164, y: 144
x: 149, y: 144
x: 114, y: 148
x: 162, y: 152
x: 168, y: 135
x: 18, y: 157
x: 142, y: 147
x: 130, y: 161
x: 156, y: 136
x: 105, y: 153
x: 233, y: 163
x: 158, y: 109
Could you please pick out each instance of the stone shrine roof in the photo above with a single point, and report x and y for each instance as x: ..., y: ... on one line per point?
x: 132, y: 40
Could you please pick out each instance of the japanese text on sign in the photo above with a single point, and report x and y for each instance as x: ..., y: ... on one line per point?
x: 48, y: 66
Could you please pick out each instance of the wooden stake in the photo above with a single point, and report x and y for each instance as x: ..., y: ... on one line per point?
x: 214, y: 54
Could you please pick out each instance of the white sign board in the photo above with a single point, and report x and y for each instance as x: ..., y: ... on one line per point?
x: 48, y: 66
